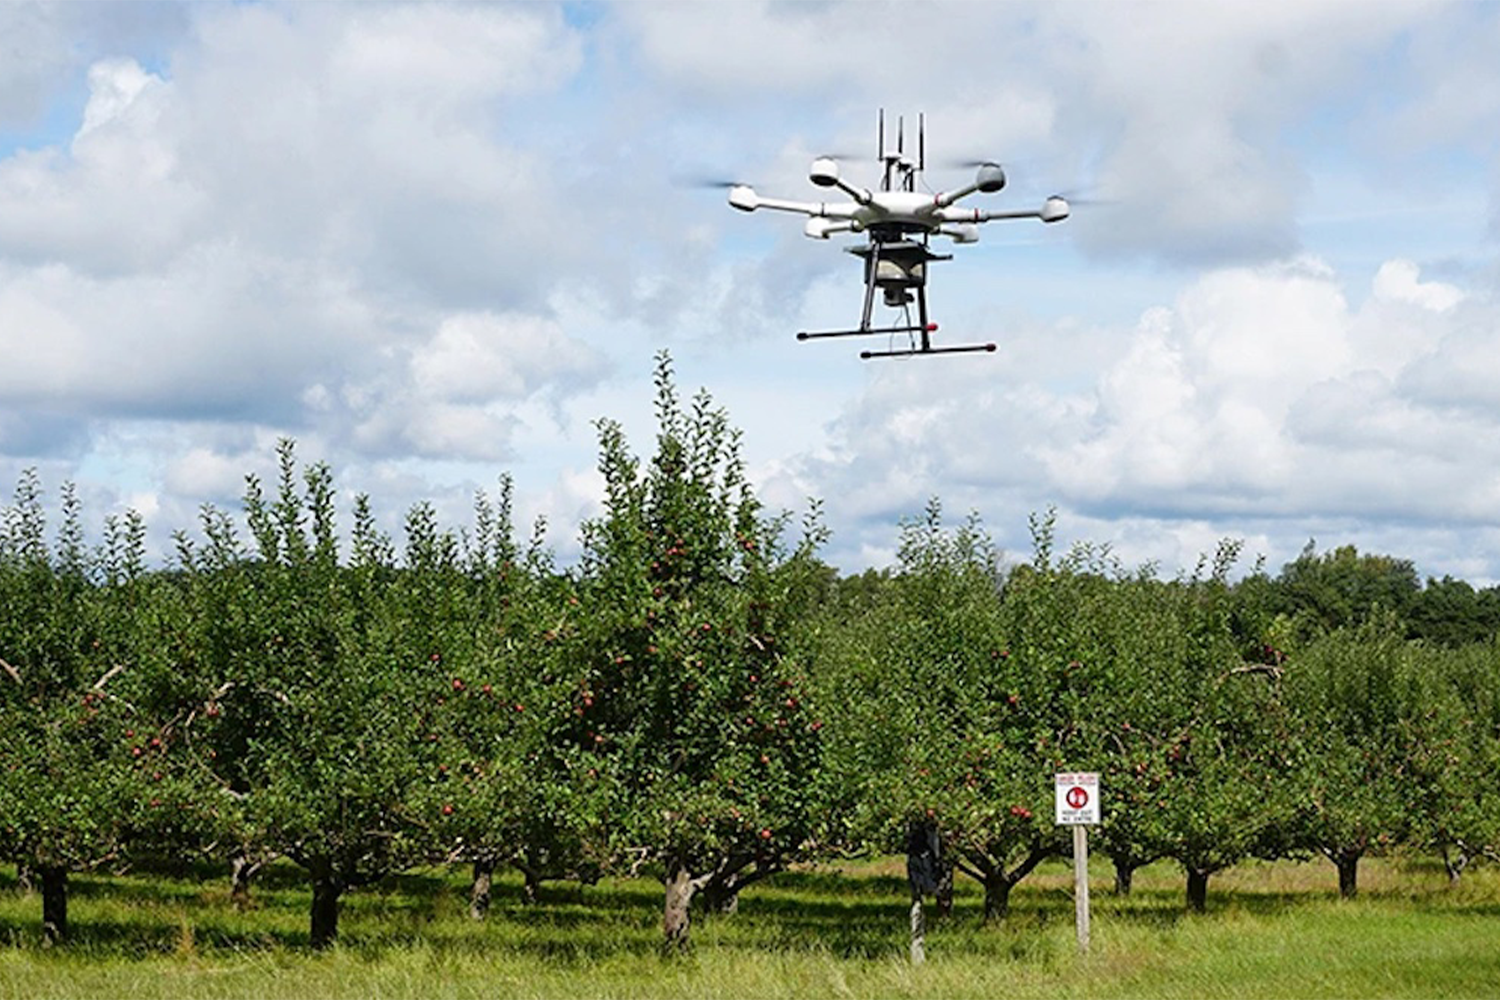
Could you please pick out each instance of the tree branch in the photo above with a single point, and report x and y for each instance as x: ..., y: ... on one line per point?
x: 15, y: 674
x: 968, y: 869
x: 1039, y: 853
x: 109, y: 675
x: 1271, y: 670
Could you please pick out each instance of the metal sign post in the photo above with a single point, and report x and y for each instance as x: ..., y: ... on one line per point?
x: 1078, y: 807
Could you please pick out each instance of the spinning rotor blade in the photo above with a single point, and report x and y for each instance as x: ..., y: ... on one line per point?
x: 705, y: 182
x: 1085, y: 197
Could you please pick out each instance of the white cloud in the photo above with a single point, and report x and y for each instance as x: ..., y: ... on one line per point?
x: 1258, y: 394
x: 267, y: 232
x: 426, y: 239
x: 1399, y: 281
x: 42, y: 43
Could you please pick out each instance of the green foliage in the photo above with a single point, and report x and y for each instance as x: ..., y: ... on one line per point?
x: 691, y: 697
x: 703, y: 699
x: 1343, y: 587
x: 1452, y: 613
x: 1355, y: 694
x: 94, y: 765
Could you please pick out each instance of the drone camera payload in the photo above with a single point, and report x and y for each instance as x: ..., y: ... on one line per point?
x: 899, y: 222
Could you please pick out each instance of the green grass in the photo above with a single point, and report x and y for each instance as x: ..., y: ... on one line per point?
x: 1271, y: 931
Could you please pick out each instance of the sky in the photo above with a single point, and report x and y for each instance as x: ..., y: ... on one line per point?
x: 435, y: 244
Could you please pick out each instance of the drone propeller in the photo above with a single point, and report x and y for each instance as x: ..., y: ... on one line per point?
x: 707, y: 183
x: 844, y: 157
x: 970, y: 164
x: 1084, y: 197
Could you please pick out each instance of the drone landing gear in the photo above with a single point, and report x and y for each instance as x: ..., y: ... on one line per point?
x: 924, y: 347
x: 899, y: 269
x: 914, y: 351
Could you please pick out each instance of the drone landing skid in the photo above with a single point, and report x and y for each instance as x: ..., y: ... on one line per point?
x: 865, y: 332
x: 925, y: 347
x: 912, y: 352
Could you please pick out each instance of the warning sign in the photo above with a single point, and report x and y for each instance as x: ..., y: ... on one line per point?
x: 1077, y: 799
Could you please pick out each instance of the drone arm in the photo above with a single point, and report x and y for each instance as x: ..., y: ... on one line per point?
x: 979, y: 215
x: 744, y: 198
x: 989, y: 179
x: 821, y: 229
x: 1054, y: 209
x: 861, y: 196
x: 947, y: 198
x: 817, y: 209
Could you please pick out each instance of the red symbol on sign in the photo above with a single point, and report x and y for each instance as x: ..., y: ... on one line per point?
x: 1077, y: 797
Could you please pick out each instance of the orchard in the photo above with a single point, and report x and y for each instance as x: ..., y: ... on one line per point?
x: 701, y: 700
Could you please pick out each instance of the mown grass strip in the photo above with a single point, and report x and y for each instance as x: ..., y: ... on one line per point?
x: 1272, y: 931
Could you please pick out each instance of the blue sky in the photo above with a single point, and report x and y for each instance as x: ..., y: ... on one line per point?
x: 434, y: 243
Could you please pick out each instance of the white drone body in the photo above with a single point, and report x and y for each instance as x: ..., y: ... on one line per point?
x: 912, y: 211
x: 899, y: 221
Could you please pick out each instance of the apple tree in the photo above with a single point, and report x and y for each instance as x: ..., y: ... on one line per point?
x: 945, y: 709
x: 507, y: 787
x: 91, y: 771
x: 1452, y: 740
x: 1353, y: 694
x: 690, y: 696
x: 312, y: 688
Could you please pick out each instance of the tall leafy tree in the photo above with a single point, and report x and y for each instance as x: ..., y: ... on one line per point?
x: 508, y: 787
x: 313, y: 687
x: 692, y: 701
x: 1453, y: 753
x: 91, y: 770
x: 1344, y: 586
x: 1353, y: 695
x: 941, y: 725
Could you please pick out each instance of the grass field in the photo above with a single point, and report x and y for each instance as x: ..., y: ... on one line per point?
x: 1271, y: 931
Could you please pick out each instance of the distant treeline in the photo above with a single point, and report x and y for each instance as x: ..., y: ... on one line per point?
x: 1322, y: 591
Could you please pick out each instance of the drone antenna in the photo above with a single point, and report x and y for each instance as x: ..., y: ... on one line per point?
x: 921, y: 142
x: 901, y: 166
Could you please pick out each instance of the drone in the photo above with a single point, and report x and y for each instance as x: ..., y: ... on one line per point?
x: 899, y: 222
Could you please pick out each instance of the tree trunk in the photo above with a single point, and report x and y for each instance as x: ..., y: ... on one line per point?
x: 918, y: 928
x: 1197, y: 890
x: 479, y: 889
x: 531, y: 885
x: 54, y: 903
x: 997, y: 896
x: 943, y: 897
x: 1347, y: 863
x: 1124, y: 875
x: 722, y: 898
x: 677, y: 911
x: 1454, y: 863
x: 241, y: 871
x: 25, y: 878
x: 324, y: 930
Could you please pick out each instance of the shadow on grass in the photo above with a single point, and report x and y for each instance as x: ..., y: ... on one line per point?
x: 863, y: 916
x: 144, y: 938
